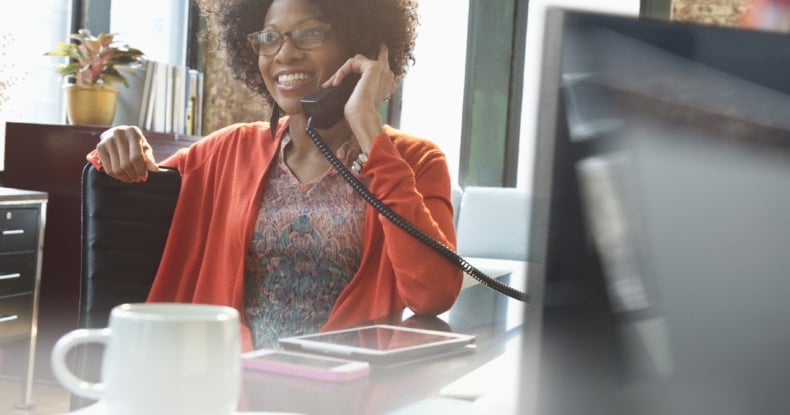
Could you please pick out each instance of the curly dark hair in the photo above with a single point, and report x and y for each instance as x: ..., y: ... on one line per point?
x: 360, y: 24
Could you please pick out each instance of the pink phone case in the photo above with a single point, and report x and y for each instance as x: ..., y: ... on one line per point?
x: 305, y: 365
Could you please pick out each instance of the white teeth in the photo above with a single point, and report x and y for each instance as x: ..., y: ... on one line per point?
x: 292, y: 77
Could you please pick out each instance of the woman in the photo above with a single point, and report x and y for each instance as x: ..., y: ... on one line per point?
x: 263, y: 222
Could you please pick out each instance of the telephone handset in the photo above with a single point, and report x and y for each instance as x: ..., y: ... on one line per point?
x: 325, y: 108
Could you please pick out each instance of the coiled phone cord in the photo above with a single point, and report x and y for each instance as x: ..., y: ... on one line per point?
x: 405, y: 225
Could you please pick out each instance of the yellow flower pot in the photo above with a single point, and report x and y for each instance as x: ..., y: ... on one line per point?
x: 91, y: 105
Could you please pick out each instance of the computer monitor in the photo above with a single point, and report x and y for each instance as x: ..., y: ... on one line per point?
x: 660, y: 230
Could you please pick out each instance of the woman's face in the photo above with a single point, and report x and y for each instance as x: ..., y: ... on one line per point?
x: 292, y: 73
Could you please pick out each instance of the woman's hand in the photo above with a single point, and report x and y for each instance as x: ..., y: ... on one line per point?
x: 375, y: 85
x: 125, y: 154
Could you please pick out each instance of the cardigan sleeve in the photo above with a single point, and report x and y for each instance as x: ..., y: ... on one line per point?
x: 411, y: 177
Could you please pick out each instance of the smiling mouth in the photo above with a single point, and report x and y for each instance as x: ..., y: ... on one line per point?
x: 292, y: 78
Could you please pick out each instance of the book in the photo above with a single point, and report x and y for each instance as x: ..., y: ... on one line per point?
x: 199, y: 105
x: 167, y: 126
x: 145, y: 99
x: 158, y: 99
x: 192, y: 92
x: 179, y: 99
x: 130, y: 98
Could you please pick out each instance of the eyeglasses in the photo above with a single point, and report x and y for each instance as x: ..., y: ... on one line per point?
x: 268, y: 42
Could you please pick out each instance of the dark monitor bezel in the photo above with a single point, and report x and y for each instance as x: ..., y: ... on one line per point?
x: 569, y: 303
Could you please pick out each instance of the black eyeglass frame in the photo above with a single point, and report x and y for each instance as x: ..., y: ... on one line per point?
x: 255, y: 43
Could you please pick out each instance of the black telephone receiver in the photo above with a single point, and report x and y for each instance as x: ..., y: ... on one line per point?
x: 323, y: 110
x: 325, y: 107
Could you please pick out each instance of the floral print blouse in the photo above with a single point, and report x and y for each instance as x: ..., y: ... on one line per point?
x: 306, y: 247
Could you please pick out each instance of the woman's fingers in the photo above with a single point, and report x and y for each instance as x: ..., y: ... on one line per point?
x: 376, y: 69
x: 125, y: 154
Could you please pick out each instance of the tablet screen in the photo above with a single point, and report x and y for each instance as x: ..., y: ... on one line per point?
x: 379, y: 341
x: 381, y: 338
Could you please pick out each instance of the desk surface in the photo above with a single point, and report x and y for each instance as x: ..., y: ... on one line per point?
x: 495, y: 319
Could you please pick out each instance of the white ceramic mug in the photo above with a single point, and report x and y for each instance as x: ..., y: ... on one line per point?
x: 161, y: 358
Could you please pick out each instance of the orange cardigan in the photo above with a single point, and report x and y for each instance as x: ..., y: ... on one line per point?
x: 203, y: 259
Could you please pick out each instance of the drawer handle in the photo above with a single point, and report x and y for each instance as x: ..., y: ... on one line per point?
x: 8, y: 317
x: 10, y: 276
x: 13, y: 232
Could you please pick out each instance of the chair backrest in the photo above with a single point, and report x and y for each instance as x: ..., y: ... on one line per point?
x: 493, y: 222
x: 124, y: 229
x: 455, y: 198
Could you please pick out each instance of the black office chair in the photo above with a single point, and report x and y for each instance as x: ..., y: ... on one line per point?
x: 124, y: 229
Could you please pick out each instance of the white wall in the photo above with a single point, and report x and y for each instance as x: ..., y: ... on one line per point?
x: 532, y: 64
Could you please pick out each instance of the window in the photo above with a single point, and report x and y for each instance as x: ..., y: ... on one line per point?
x: 433, y: 89
x: 157, y: 27
x: 533, y: 54
x: 30, y: 90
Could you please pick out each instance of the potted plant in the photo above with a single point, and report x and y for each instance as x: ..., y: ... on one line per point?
x: 95, y: 64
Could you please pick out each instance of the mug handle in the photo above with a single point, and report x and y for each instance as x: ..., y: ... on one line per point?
x: 62, y: 372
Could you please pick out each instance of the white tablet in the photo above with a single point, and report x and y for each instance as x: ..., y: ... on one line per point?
x: 381, y: 343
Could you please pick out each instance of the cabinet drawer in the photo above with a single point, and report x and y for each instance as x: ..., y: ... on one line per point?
x: 17, y: 273
x: 16, y: 315
x: 18, y: 228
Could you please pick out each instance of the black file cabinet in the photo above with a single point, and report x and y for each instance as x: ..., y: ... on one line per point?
x: 22, y: 219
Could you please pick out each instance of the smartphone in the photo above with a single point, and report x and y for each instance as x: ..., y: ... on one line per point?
x: 305, y: 365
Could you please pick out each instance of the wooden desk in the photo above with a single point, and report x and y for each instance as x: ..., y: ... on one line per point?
x: 496, y: 319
